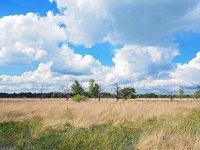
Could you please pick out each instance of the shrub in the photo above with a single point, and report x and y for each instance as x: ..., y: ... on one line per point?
x: 78, y: 98
x: 197, y: 94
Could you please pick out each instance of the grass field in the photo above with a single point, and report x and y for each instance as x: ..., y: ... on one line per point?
x: 133, y: 124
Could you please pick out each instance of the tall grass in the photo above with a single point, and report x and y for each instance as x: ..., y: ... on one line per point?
x: 100, y: 125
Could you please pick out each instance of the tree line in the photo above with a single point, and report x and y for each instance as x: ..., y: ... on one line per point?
x: 78, y: 93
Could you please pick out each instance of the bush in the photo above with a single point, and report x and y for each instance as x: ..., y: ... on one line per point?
x: 78, y: 98
x: 197, y: 94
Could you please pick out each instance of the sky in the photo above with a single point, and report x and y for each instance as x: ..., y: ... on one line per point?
x: 152, y: 46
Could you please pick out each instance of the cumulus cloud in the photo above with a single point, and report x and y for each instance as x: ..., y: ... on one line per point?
x: 44, y: 75
x: 128, y: 22
x: 156, y: 73
x: 67, y: 61
x: 188, y: 73
x: 143, y: 62
x: 185, y: 75
x: 25, y: 38
x: 134, y: 62
x: 41, y: 75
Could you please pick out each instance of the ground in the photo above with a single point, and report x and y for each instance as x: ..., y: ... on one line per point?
x: 139, y: 123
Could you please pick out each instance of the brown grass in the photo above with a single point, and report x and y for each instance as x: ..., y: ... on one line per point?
x: 58, y: 112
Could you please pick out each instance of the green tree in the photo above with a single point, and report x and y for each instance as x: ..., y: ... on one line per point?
x: 197, y: 93
x: 97, y: 91
x: 54, y: 95
x: 91, y: 88
x: 127, y: 92
x: 181, y: 93
x: 198, y: 87
x: 76, y: 88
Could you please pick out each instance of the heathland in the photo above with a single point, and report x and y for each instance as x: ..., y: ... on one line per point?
x: 108, y: 124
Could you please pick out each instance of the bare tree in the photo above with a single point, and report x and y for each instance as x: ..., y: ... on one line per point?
x: 172, y: 95
x: 98, y: 91
x: 41, y: 92
x: 67, y: 91
x: 116, y: 89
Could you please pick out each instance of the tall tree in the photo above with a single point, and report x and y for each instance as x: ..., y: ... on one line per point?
x: 67, y: 91
x: 97, y: 92
x: 76, y: 88
x: 91, y: 88
x: 116, y: 89
x: 181, y: 92
x: 41, y: 92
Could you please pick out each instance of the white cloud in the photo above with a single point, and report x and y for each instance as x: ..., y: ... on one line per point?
x: 68, y: 62
x: 25, y: 38
x: 185, y: 75
x: 128, y: 22
x: 153, y: 74
x: 41, y: 75
x: 140, y: 26
x: 188, y: 73
x: 134, y: 62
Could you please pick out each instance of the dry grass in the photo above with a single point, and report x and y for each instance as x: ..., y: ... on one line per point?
x: 58, y: 112
x: 160, y: 141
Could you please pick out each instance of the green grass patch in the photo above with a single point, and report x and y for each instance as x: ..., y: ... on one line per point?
x: 101, y: 137
x: 26, y: 135
x: 191, y: 124
x: 20, y: 136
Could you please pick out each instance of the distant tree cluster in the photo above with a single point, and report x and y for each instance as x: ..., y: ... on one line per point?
x: 78, y: 93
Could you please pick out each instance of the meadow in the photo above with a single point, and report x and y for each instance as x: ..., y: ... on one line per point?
x: 108, y: 124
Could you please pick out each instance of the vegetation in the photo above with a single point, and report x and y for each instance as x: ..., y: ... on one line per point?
x: 79, y: 98
x: 91, y: 88
x: 54, y: 95
x: 76, y: 88
x: 197, y: 93
x: 181, y: 93
x: 67, y: 91
x: 117, y: 89
x: 94, y: 89
x: 128, y: 93
x: 159, y: 131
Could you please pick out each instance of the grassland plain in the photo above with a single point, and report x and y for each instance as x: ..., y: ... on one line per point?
x: 133, y: 124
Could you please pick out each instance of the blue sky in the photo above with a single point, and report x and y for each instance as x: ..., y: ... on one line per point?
x: 188, y: 44
x: 102, y: 51
x: 95, y: 31
x: 14, y: 7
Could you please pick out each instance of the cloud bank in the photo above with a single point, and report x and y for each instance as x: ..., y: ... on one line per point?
x: 145, y: 29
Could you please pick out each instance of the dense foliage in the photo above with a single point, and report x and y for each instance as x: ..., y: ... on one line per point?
x: 76, y: 88
x: 127, y: 93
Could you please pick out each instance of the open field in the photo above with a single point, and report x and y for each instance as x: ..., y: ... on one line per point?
x: 59, y: 112
x: 139, y: 124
